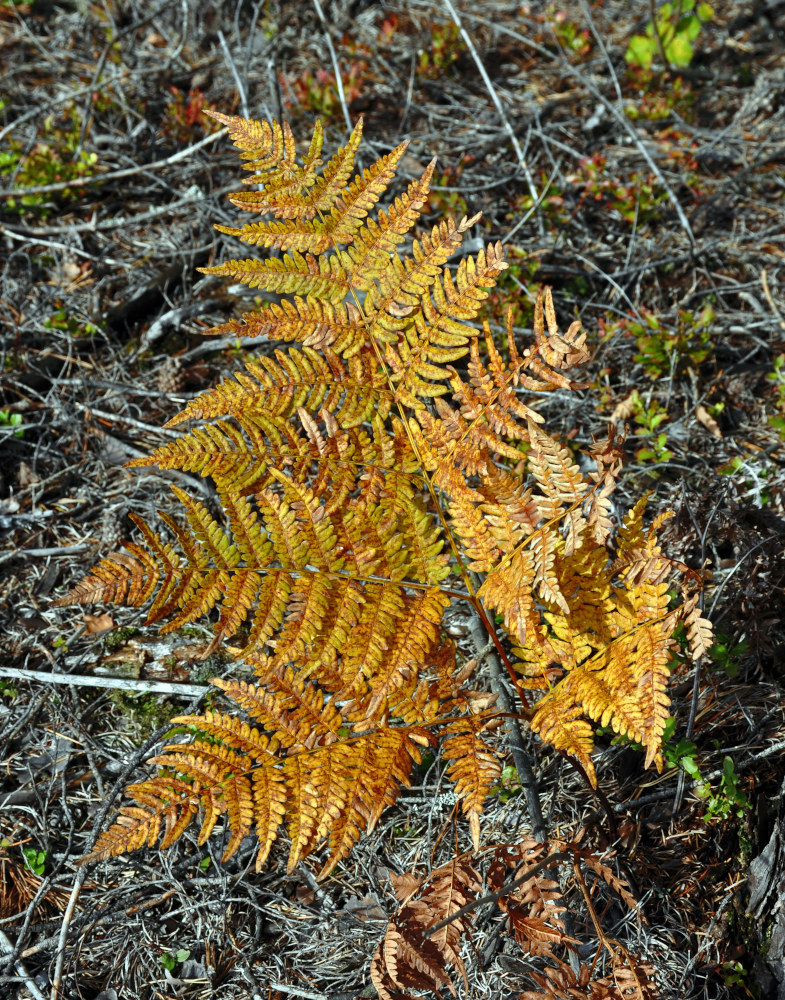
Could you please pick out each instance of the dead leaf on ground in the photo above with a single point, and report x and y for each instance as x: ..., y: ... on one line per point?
x: 704, y: 417
x: 98, y: 623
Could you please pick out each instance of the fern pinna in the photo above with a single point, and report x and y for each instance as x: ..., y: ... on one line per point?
x: 363, y: 484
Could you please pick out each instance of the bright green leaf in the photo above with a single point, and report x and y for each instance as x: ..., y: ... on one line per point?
x: 640, y: 51
x: 679, y: 52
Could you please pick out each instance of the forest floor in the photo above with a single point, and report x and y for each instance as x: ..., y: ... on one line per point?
x: 652, y: 201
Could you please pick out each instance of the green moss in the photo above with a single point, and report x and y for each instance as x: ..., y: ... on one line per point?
x: 145, y: 712
x: 193, y: 632
x: 120, y: 636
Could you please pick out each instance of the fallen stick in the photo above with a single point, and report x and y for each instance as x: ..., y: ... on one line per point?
x: 118, y: 683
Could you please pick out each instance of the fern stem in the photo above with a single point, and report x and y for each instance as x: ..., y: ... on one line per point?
x: 517, y: 747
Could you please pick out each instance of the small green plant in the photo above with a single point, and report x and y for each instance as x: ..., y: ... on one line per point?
x: 726, y: 653
x: 63, y: 320
x: 170, y: 962
x: 9, y: 419
x: 7, y: 690
x: 508, y: 785
x: 446, y: 46
x: 683, y: 754
x: 636, y: 198
x: 734, y: 974
x: 550, y: 203
x: 56, y: 157
x: 777, y: 377
x: 721, y: 803
x: 673, y: 33
x: 571, y: 37
x: 35, y: 860
x: 318, y: 92
x: 665, y: 350
x: 653, y: 100
x: 648, y: 416
x: 728, y: 799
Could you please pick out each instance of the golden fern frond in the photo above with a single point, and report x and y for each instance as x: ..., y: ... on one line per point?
x: 211, y: 776
x: 236, y: 457
x: 475, y: 768
x: 127, y: 577
x: 508, y: 590
x: 555, y: 352
x: 345, y: 208
x: 293, y: 708
x: 638, y: 674
x: 564, y: 726
x: 417, y: 634
x: 382, y: 763
x: 420, y: 313
x: 559, y: 478
x: 360, y: 481
x: 700, y: 631
x: 333, y: 790
x: 268, y: 147
x: 293, y: 274
x: 490, y: 395
x: 377, y: 239
x: 313, y: 322
x: 350, y: 391
x: 468, y: 523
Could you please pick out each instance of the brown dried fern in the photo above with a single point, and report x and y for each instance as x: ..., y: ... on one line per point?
x: 423, y: 938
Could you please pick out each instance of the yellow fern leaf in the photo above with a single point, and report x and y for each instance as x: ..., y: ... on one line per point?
x: 561, y: 724
x: 474, y: 768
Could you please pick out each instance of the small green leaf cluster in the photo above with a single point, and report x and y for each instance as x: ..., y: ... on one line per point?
x: 63, y: 320
x: 35, y: 860
x: 56, y: 157
x: 728, y: 799
x: 726, y: 653
x: 508, y: 785
x: 169, y: 962
x: 777, y: 377
x: 721, y: 803
x: 445, y: 47
x: 573, y: 39
x: 662, y: 350
x: 675, y: 29
x: 8, y: 690
x: 9, y: 419
x: 636, y: 198
x: 648, y: 416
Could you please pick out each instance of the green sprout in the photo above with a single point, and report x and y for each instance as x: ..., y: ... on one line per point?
x: 672, y: 34
x: 8, y: 419
x: 35, y: 860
